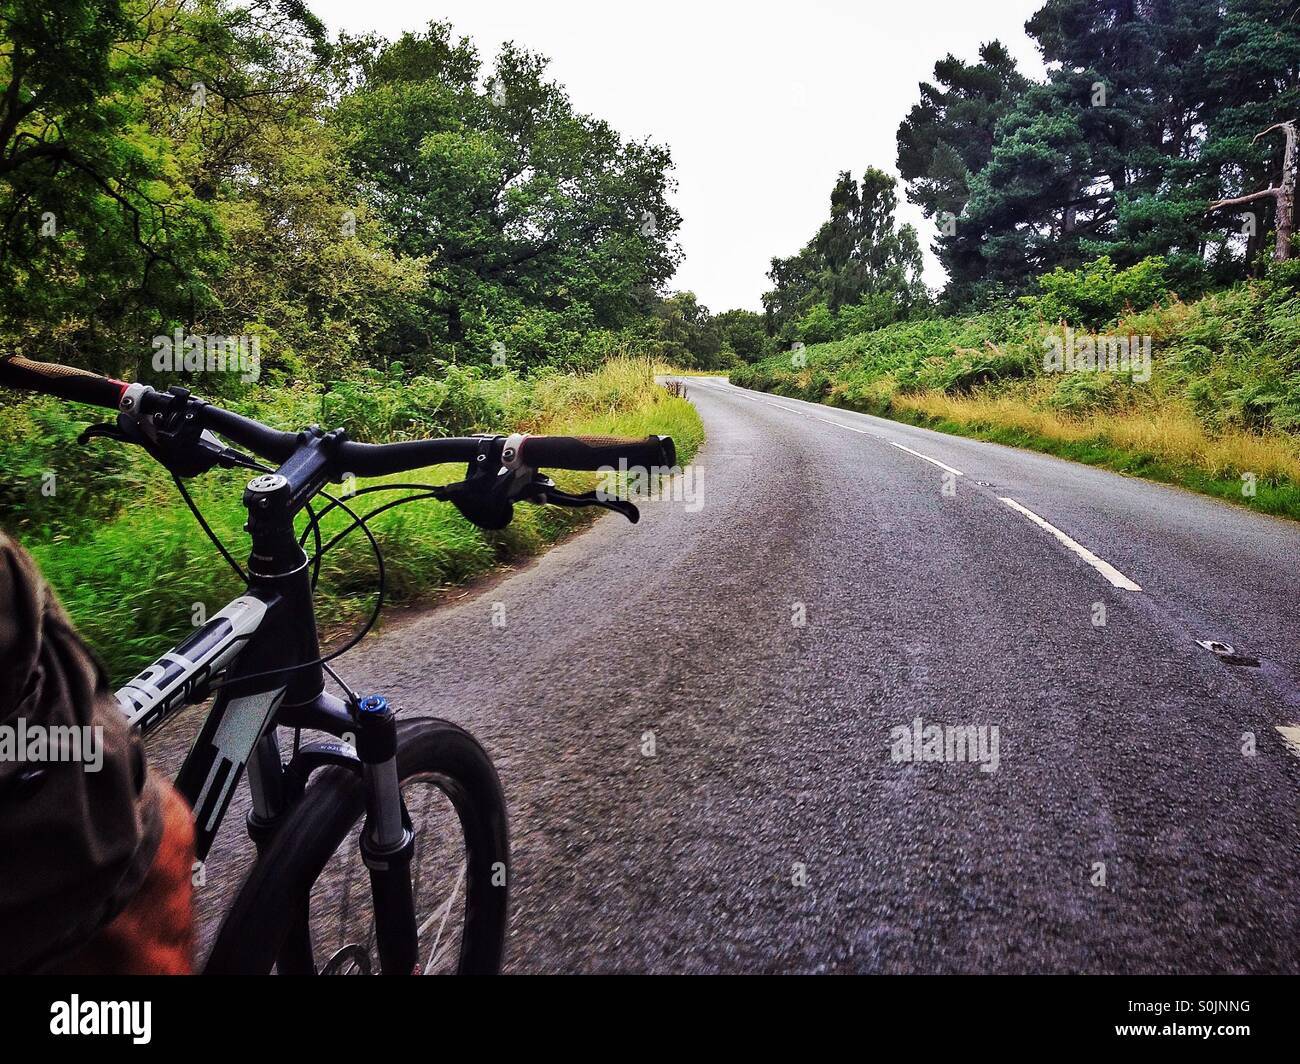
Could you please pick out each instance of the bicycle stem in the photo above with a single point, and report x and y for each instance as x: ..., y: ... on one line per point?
x: 277, y: 561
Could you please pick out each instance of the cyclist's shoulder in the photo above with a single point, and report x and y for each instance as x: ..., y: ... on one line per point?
x: 23, y: 602
x: 12, y: 552
x: 18, y: 573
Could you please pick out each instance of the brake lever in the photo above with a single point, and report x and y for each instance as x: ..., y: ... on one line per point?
x: 186, y: 458
x: 487, y: 495
x: 112, y: 432
x: 543, y: 491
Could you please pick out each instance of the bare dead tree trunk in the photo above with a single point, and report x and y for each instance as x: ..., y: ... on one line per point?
x: 1282, y: 194
x: 1286, y: 195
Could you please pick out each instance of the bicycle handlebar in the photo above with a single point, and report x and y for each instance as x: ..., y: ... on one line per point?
x: 360, y: 459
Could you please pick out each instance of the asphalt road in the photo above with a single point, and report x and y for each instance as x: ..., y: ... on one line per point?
x: 825, y: 588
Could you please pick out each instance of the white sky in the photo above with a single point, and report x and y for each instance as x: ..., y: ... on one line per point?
x: 762, y: 103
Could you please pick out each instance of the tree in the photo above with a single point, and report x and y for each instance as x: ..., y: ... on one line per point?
x: 1252, y: 83
x: 689, y: 336
x: 1147, y: 116
x: 860, y: 251
x: 1281, y: 195
x: 122, y: 129
x: 312, y: 268
x: 743, y: 333
x: 1131, y: 79
x: 946, y: 139
x: 528, y: 212
x: 796, y: 286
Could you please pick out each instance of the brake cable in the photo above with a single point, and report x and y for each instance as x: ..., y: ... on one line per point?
x: 230, y: 458
x: 428, y: 491
x: 313, y: 526
x: 313, y: 529
x: 325, y: 659
x: 370, y: 491
x: 203, y: 524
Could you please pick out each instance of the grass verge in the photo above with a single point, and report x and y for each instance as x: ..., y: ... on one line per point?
x: 1209, y: 399
x: 1163, y: 447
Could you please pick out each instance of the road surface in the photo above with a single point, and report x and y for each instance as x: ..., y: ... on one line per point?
x: 837, y: 579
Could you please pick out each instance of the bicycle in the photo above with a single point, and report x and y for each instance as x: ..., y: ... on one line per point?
x: 261, y: 661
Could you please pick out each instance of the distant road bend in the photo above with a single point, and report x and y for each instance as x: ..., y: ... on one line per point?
x: 845, y: 578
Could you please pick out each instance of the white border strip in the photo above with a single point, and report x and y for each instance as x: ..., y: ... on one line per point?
x: 1105, y: 568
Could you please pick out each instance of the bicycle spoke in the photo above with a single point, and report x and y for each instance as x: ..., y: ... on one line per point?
x: 343, y: 920
x: 446, y: 912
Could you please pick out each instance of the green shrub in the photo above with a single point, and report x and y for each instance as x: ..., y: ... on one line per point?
x: 1285, y: 276
x: 873, y: 312
x: 818, y: 325
x: 1088, y: 393
x: 965, y: 371
x: 380, y: 407
x: 1096, y: 293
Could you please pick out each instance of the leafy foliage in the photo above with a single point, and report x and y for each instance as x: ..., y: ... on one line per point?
x: 537, y: 222
x: 860, y: 253
x: 945, y: 140
x: 225, y: 169
x: 1230, y: 360
x: 1148, y: 114
x: 1098, y: 293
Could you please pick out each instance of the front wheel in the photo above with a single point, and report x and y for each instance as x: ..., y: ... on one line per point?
x: 307, y: 907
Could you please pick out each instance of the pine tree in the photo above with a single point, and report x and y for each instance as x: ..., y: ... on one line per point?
x: 946, y: 139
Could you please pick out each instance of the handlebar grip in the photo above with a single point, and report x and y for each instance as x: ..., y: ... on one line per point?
x: 591, y: 453
x: 65, y: 382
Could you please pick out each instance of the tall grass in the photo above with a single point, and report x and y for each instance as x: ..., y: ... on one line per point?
x: 1166, y: 433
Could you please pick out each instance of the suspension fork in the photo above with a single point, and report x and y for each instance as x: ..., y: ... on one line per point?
x: 387, y: 840
x: 325, y: 714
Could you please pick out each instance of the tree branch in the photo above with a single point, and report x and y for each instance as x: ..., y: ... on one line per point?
x: 1266, y: 194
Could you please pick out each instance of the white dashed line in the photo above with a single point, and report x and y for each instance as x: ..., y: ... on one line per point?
x: 926, y: 458
x: 1118, y: 579
x: 841, y: 425
x: 1105, y: 568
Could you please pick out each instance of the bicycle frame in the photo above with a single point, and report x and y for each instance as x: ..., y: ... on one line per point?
x: 247, y: 637
x: 265, y: 649
x: 233, y: 727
